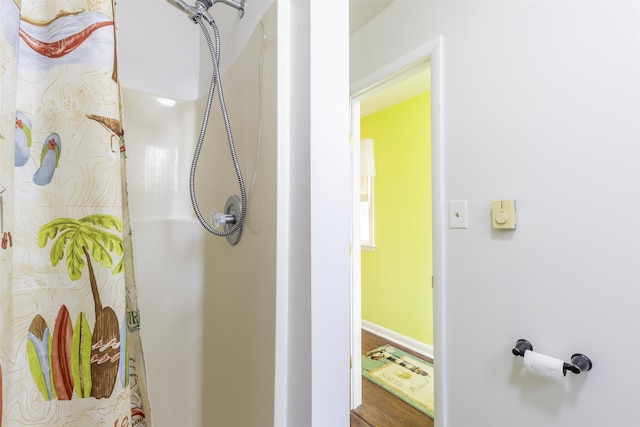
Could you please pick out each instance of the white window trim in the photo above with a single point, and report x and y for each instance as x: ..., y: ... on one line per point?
x: 367, y: 196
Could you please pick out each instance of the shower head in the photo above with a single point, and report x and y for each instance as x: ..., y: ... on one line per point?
x: 200, y: 9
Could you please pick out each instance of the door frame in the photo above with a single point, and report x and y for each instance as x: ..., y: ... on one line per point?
x: 384, y: 77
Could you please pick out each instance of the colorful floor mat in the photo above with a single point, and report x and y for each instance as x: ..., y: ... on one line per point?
x: 407, y: 377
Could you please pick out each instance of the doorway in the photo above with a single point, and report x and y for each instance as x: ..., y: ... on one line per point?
x: 401, y: 82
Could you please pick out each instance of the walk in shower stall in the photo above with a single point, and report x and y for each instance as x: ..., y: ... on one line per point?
x: 207, y: 308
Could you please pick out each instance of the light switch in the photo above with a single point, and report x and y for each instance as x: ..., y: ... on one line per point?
x: 503, y: 214
x: 457, y: 214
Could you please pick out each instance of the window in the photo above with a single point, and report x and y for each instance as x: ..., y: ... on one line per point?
x: 367, y: 174
x: 366, y: 213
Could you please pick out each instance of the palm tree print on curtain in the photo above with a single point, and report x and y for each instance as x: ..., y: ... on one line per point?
x: 94, y: 368
x: 70, y: 347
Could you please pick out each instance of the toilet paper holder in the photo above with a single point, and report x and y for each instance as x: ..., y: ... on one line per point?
x: 579, y: 362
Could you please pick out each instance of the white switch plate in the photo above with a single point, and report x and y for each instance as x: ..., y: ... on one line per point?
x: 458, y: 214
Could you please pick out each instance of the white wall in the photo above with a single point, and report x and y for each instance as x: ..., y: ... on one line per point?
x: 313, y: 240
x: 541, y: 104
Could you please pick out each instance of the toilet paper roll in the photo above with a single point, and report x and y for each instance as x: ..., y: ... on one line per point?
x: 544, y: 365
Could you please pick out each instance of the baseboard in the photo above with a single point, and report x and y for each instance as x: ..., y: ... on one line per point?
x: 403, y: 340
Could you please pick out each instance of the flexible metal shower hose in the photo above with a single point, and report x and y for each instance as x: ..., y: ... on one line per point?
x: 215, y: 80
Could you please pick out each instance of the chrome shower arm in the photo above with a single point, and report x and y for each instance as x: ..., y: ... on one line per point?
x: 235, y: 4
x: 201, y: 7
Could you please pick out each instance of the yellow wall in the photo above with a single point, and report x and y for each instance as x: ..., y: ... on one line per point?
x: 396, y: 276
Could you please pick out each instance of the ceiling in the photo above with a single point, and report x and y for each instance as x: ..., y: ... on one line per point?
x: 402, y: 88
x: 362, y: 11
x: 396, y: 89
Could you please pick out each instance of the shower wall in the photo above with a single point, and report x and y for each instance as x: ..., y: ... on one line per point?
x: 240, y: 281
x: 168, y: 251
x: 207, y: 308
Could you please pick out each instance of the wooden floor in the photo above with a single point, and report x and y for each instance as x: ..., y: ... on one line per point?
x: 381, y: 408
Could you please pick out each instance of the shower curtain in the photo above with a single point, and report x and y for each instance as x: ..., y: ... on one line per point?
x: 70, y: 350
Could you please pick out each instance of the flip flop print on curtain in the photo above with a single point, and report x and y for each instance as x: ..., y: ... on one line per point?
x: 50, y: 156
x: 48, y: 160
x: 7, y: 240
x: 23, y: 139
x: 75, y: 357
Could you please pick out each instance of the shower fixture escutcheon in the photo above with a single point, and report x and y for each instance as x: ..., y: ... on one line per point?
x: 228, y: 218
